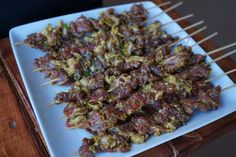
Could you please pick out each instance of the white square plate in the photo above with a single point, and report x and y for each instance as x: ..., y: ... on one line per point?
x: 64, y: 142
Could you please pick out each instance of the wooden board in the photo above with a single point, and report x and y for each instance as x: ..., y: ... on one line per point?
x: 26, y: 139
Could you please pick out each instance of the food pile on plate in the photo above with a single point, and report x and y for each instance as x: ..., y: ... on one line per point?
x: 127, y: 82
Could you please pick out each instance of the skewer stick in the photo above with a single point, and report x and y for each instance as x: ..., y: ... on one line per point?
x: 169, y: 9
x: 59, y: 84
x: 178, y: 19
x: 160, y: 5
x: 19, y: 43
x: 190, y: 35
x: 38, y: 69
x: 52, y: 103
x: 221, y: 49
x: 226, y: 88
x: 221, y: 75
x: 221, y: 57
x: 51, y: 81
x: 189, y: 27
x: 205, y: 39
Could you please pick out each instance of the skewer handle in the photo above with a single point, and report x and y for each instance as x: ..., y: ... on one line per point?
x: 169, y: 9
x: 221, y: 75
x: 177, y: 20
x: 221, y: 57
x: 51, y: 81
x: 222, y: 48
x: 189, y: 27
x: 205, y: 39
x: 160, y: 5
x: 226, y: 88
x: 190, y: 35
x: 19, y: 43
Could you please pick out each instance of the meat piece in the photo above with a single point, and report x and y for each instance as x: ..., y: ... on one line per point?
x: 198, y: 72
x: 141, y: 124
x: 197, y: 58
x: 201, y: 86
x: 44, y: 62
x: 156, y: 70
x: 86, y: 149
x: 206, y: 100
x: 59, y: 75
x: 97, y: 122
x: 104, y: 143
x: 106, y: 118
x: 209, y: 99
x: 166, y: 87
x: 158, y: 118
x: 82, y: 24
x: 123, y: 91
x: 144, y: 75
x: 153, y: 106
x: 132, y: 104
x: 189, y: 105
x: 98, y: 95
x: 69, y: 110
x: 174, y: 63
x: 94, y: 22
x: 138, y: 9
x: 73, y: 95
x: 76, y: 115
x: 62, y: 97
x: 138, y: 15
x: 178, y: 112
x: 123, y: 86
x: 96, y: 83
x: 113, y: 143
x: 38, y: 41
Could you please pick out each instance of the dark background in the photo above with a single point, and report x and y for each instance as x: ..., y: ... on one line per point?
x: 219, y: 15
x: 17, y: 12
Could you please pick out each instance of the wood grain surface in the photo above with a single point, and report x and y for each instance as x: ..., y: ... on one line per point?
x: 26, y: 140
x: 15, y: 138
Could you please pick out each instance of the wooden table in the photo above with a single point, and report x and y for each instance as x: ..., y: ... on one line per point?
x: 20, y: 133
